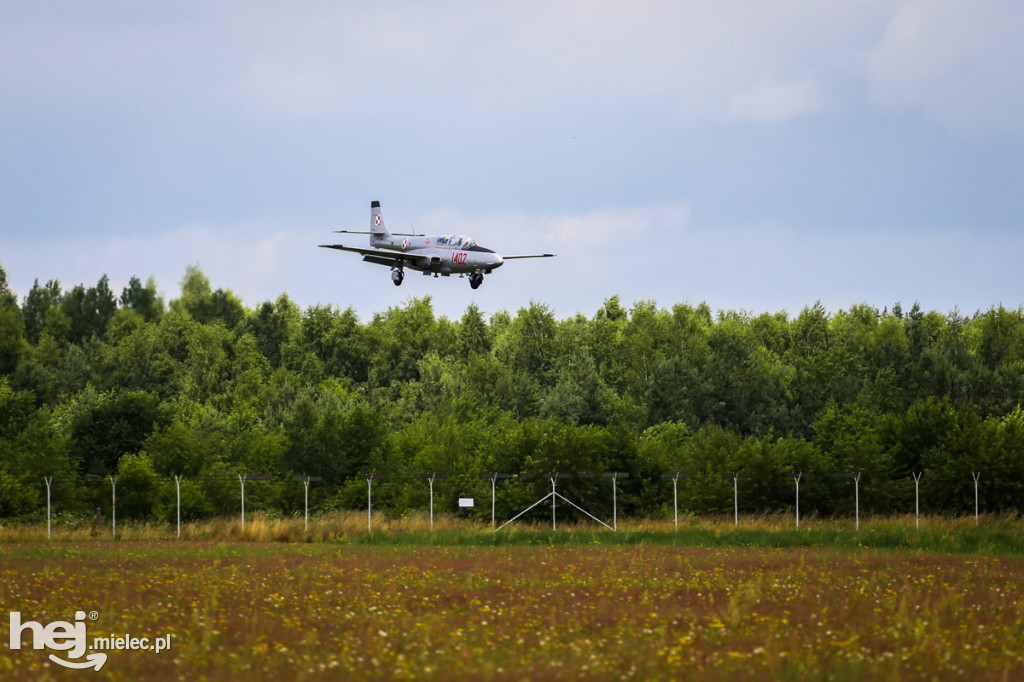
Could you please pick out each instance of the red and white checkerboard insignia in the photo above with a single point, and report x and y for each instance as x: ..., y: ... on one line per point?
x: 376, y: 220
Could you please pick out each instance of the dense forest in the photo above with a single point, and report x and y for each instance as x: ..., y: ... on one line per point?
x: 94, y: 385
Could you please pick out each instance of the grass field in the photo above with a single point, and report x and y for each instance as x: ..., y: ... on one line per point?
x: 994, y: 534
x: 541, y: 605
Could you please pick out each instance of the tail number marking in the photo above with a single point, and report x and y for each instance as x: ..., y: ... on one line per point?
x: 459, y: 258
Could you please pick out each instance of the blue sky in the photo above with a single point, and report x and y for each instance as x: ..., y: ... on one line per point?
x: 756, y: 156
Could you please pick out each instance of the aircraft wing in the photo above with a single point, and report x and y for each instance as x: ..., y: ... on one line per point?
x: 532, y: 255
x: 356, y: 249
x: 378, y: 256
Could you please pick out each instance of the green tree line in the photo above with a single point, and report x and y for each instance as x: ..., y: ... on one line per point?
x: 95, y: 384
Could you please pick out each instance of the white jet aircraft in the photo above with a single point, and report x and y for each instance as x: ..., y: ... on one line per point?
x: 442, y: 255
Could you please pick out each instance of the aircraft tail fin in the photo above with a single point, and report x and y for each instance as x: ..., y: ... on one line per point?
x: 377, y: 226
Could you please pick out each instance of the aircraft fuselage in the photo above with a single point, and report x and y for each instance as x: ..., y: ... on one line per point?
x: 444, y: 255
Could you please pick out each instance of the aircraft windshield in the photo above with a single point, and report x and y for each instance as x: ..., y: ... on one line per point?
x: 456, y: 241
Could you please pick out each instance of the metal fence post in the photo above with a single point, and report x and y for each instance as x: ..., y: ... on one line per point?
x: 369, y: 499
x: 917, y: 498
x: 494, y: 476
x: 675, y: 476
x: 49, y: 480
x: 797, y: 475
x: 305, y: 480
x: 242, y: 478
x: 615, y: 476
x: 113, y: 506
x: 856, y: 498
x: 735, y: 476
x: 976, y: 475
x: 177, y: 485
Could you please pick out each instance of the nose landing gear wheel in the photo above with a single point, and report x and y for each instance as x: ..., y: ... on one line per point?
x: 397, y: 276
x: 475, y: 280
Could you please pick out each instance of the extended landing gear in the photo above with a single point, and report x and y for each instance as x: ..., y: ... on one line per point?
x: 476, y: 279
x: 397, y: 275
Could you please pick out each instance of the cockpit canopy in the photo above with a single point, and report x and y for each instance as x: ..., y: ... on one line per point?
x: 456, y: 241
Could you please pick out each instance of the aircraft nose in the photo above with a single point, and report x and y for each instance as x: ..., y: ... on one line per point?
x: 496, y: 260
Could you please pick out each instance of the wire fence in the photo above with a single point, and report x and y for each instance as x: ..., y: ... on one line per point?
x: 553, y: 496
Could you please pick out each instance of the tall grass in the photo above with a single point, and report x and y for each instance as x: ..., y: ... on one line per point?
x: 994, y: 534
x: 259, y: 527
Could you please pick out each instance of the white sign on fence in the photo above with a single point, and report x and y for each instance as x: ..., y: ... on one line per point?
x: 465, y: 501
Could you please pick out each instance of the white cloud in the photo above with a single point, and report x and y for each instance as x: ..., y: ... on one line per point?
x: 595, y: 229
x: 773, y: 102
x: 772, y: 267
x: 260, y: 261
x: 629, y: 226
x: 659, y: 253
x: 960, y: 63
x: 251, y: 260
x: 693, y: 60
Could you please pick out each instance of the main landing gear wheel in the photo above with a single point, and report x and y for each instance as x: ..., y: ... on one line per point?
x: 397, y: 276
x: 475, y: 280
